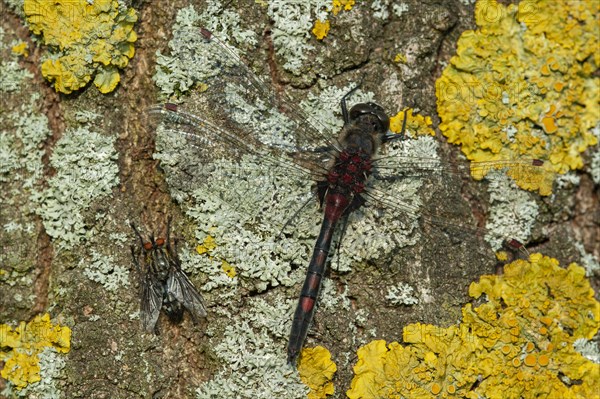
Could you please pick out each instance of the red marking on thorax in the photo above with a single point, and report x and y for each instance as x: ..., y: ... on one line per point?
x: 350, y: 171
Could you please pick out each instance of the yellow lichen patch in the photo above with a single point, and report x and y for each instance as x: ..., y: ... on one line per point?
x: 316, y: 371
x: 321, y: 29
x: 400, y: 59
x: 20, y: 49
x: 524, y: 85
x: 338, y: 5
x: 85, y: 40
x: 496, y: 351
x: 19, y: 348
x: 228, y: 269
x: 416, y: 125
x: 207, y: 247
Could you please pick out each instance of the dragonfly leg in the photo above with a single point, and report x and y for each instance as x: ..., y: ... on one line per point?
x: 344, y: 104
x: 395, y: 136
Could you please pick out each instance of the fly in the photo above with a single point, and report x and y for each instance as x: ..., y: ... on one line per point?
x: 249, y: 128
x: 163, y: 284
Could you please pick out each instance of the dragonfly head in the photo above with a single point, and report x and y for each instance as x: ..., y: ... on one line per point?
x: 364, y: 109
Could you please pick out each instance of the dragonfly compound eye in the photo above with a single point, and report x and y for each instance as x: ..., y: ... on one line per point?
x: 160, y: 241
x: 147, y: 246
x: 371, y: 109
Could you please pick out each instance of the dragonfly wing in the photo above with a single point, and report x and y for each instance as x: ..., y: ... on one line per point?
x: 236, y: 113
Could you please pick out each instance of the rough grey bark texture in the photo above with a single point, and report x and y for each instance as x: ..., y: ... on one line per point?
x: 110, y: 357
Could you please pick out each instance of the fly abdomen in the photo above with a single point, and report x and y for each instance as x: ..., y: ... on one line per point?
x: 173, y: 308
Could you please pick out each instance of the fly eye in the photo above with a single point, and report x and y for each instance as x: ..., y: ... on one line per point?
x: 147, y: 246
x: 373, y: 109
x: 160, y: 241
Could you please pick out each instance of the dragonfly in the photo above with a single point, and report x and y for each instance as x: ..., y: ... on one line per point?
x: 163, y: 284
x: 239, y: 133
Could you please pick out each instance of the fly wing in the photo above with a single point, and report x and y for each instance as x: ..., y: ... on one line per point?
x: 152, y: 298
x: 180, y: 286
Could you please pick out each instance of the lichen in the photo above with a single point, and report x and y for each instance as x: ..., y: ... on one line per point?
x: 86, y: 171
x: 402, y: 294
x: 12, y: 75
x: 316, y: 370
x: 589, y: 262
x: 322, y: 25
x: 186, y: 67
x: 51, y: 365
x: 512, y: 212
x: 20, y: 49
x: 253, y: 362
x: 21, y: 152
x: 321, y: 29
x: 416, y: 125
x: 595, y: 162
x: 292, y: 24
x: 102, y: 269
x: 521, y: 340
x: 20, y: 348
x: 84, y: 39
x: 523, y: 85
x: 207, y: 246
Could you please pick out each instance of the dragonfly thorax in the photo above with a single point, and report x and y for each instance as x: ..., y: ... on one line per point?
x: 349, y: 172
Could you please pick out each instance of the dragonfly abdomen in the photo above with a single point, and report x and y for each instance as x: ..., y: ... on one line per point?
x: 336, y: 206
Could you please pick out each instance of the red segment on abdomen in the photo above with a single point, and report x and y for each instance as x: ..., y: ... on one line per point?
x: 307, y: 304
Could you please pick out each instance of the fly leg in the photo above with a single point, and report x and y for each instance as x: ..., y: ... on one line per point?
x: 169, y: 232
x: 136, y: 260
x: 138, y: 234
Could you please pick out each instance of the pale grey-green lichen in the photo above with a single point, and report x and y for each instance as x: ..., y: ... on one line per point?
x: 325, y: 107
x: 595, y: 163
x: 588, y: 261
x: 291, y: 32
x: 12, y: 76
x: 16, y: 6
x: 512, y: 214
x: 21, y: 148
x: 402, y: 294
x: 381, y: 9
x: 254, y: 364
x: 588, y: 349
x: 86, y: 171
x: 186, y: 66
x: 102, y: 269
